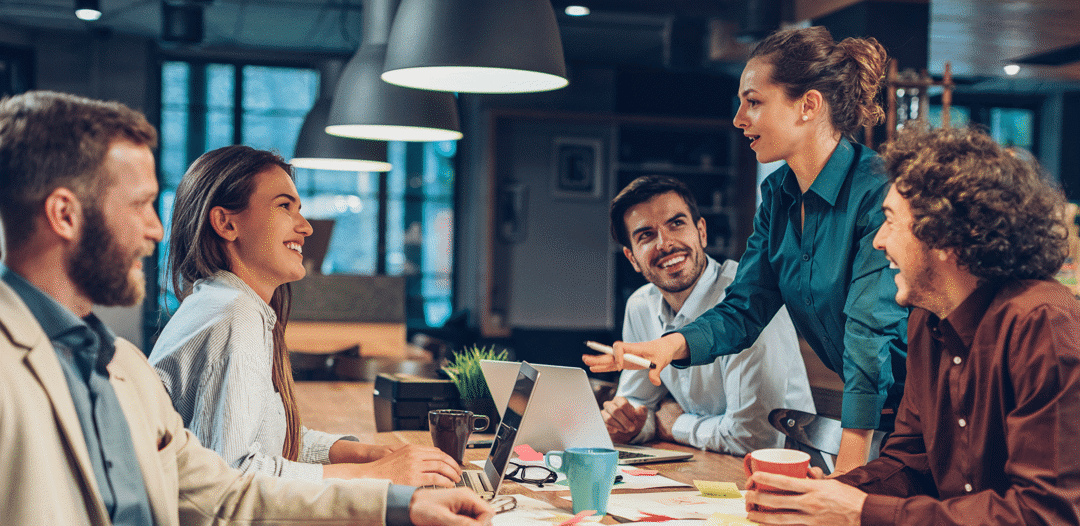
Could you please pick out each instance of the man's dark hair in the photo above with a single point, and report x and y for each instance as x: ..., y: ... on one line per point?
x: 50, y: 140
x: 991, y: 205
x: 643, y: 189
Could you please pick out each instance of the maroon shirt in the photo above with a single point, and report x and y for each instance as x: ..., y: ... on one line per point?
x: 988, y: 431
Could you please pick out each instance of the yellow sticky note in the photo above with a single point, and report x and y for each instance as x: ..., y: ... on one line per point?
x: 723, y: 490
x: 723, y: 519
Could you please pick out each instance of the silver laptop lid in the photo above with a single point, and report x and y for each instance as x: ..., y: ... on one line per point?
x: 519, y: 399
x: 564, y: 398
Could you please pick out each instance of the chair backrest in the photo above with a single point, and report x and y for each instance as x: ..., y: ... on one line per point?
x: 817, y: 435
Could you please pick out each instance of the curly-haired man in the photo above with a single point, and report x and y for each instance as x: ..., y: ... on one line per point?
x: 986, y: 432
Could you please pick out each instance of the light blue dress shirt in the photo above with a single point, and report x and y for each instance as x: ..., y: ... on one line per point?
x: 725, y: 403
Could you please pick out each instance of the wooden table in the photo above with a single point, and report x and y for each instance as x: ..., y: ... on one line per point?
x: 346, y: 407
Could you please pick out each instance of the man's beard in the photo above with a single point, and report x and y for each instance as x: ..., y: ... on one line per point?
x: 696, y: 264
x: 101, y: 268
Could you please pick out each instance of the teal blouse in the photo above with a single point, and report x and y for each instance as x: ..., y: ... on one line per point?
x: 838, y: 289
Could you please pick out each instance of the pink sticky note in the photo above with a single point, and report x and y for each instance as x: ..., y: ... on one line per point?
x: 576, y: 518
x: 637, y: 472
x: 527, y: 453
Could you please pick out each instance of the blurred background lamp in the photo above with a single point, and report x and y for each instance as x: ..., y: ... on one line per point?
x: 88, y: 10
x: 366, y: 107
x: 1012, y: 69
x: 576, y: 10
x: 476, y: 46
x: 319, y: 150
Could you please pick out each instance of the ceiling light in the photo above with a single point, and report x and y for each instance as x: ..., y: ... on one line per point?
x: 476, y: 46
x: 576, y: 10
x: 366, y: 107
x: 88, y: 10
x: 319, y: 150
x: 1012, y: 69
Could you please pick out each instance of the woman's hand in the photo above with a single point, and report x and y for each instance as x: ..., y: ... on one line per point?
x: 407, y: 464
x: 660, y: 352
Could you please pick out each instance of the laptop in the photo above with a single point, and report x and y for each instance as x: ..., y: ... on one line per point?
x: 565, y: 413
x: 520, y: 389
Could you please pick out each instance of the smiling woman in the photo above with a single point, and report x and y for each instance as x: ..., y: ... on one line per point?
x: 802, y: 96
x: 236, y: 244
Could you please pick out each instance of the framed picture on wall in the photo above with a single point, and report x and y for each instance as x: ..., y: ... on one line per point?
x: 576, y: 170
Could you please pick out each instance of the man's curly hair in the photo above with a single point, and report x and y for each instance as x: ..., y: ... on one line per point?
x: 990, y: 205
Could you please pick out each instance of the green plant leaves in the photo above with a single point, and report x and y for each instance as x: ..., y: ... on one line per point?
x: 464, y: 370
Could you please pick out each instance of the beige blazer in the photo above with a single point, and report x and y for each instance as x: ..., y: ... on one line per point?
x: 46, y: 475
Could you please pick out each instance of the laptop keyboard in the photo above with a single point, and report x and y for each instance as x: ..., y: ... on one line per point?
x: 623, y: 455
x: 473, y: 481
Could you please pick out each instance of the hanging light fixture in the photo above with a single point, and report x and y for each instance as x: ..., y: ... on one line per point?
x: 321, y: 151
x: 88, y: 10
x: 366, y: 107
x: 476, y: 46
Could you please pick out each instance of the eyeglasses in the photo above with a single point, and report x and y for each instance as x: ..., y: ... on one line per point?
x: 503, y: 503
x: 538, y: 475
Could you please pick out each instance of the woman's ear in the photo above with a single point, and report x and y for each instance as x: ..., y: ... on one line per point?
x: 813, y: 103
x: 222, y: 222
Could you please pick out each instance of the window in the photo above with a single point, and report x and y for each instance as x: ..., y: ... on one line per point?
x: 207, y: 105
x: 1010, y: 120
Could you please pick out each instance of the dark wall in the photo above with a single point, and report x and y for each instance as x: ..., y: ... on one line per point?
x: 902, y: 27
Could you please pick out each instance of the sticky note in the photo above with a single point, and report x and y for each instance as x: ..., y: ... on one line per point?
x: 527, y: 453
x: 640, y: 472
x: 577, y: 518
x: 724, y: 490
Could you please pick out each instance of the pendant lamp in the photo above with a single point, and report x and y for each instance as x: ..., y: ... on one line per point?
x: 319, y: 150
x: 366, y: 107
x: 476, y: 46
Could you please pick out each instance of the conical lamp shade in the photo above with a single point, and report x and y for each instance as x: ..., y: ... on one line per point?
x: 321, y: 151
x: 366, y: 107
x: 476, y: 46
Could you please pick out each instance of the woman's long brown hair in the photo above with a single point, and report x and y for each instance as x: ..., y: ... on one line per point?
x: 225, y: 177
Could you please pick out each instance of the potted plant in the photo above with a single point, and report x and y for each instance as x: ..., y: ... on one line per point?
x: 464, y: 370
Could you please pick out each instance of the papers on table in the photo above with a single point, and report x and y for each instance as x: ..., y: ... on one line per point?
x: 629, y: 479
x: 673, y: 508
x: 673, y: 505
x: 718, y: 519
x: 533, y: 512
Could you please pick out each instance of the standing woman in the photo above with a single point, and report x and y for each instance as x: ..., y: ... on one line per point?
x: 236, y: 243
x: 802, y: 97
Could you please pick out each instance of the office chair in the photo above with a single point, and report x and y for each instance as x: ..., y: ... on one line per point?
x: 818, y: 436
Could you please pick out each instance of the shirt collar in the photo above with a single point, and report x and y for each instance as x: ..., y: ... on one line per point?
x: 828, y: 182
x: 669, y: 318
x: 54, y: 318
x: 965, y: 318
x: 228, y: 279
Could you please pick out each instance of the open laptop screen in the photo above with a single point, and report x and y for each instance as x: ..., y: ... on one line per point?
x: 503, y: 443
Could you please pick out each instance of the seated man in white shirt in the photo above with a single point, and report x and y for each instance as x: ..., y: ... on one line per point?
x: 723, y: 406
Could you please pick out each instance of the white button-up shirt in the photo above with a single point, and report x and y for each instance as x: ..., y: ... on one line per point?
x: 215, y: 359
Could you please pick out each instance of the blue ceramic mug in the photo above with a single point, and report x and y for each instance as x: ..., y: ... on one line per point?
x: 590, y: 472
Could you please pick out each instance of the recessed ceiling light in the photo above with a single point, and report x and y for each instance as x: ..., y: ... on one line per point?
x: 1012, y: 69
x: 576, y: 10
